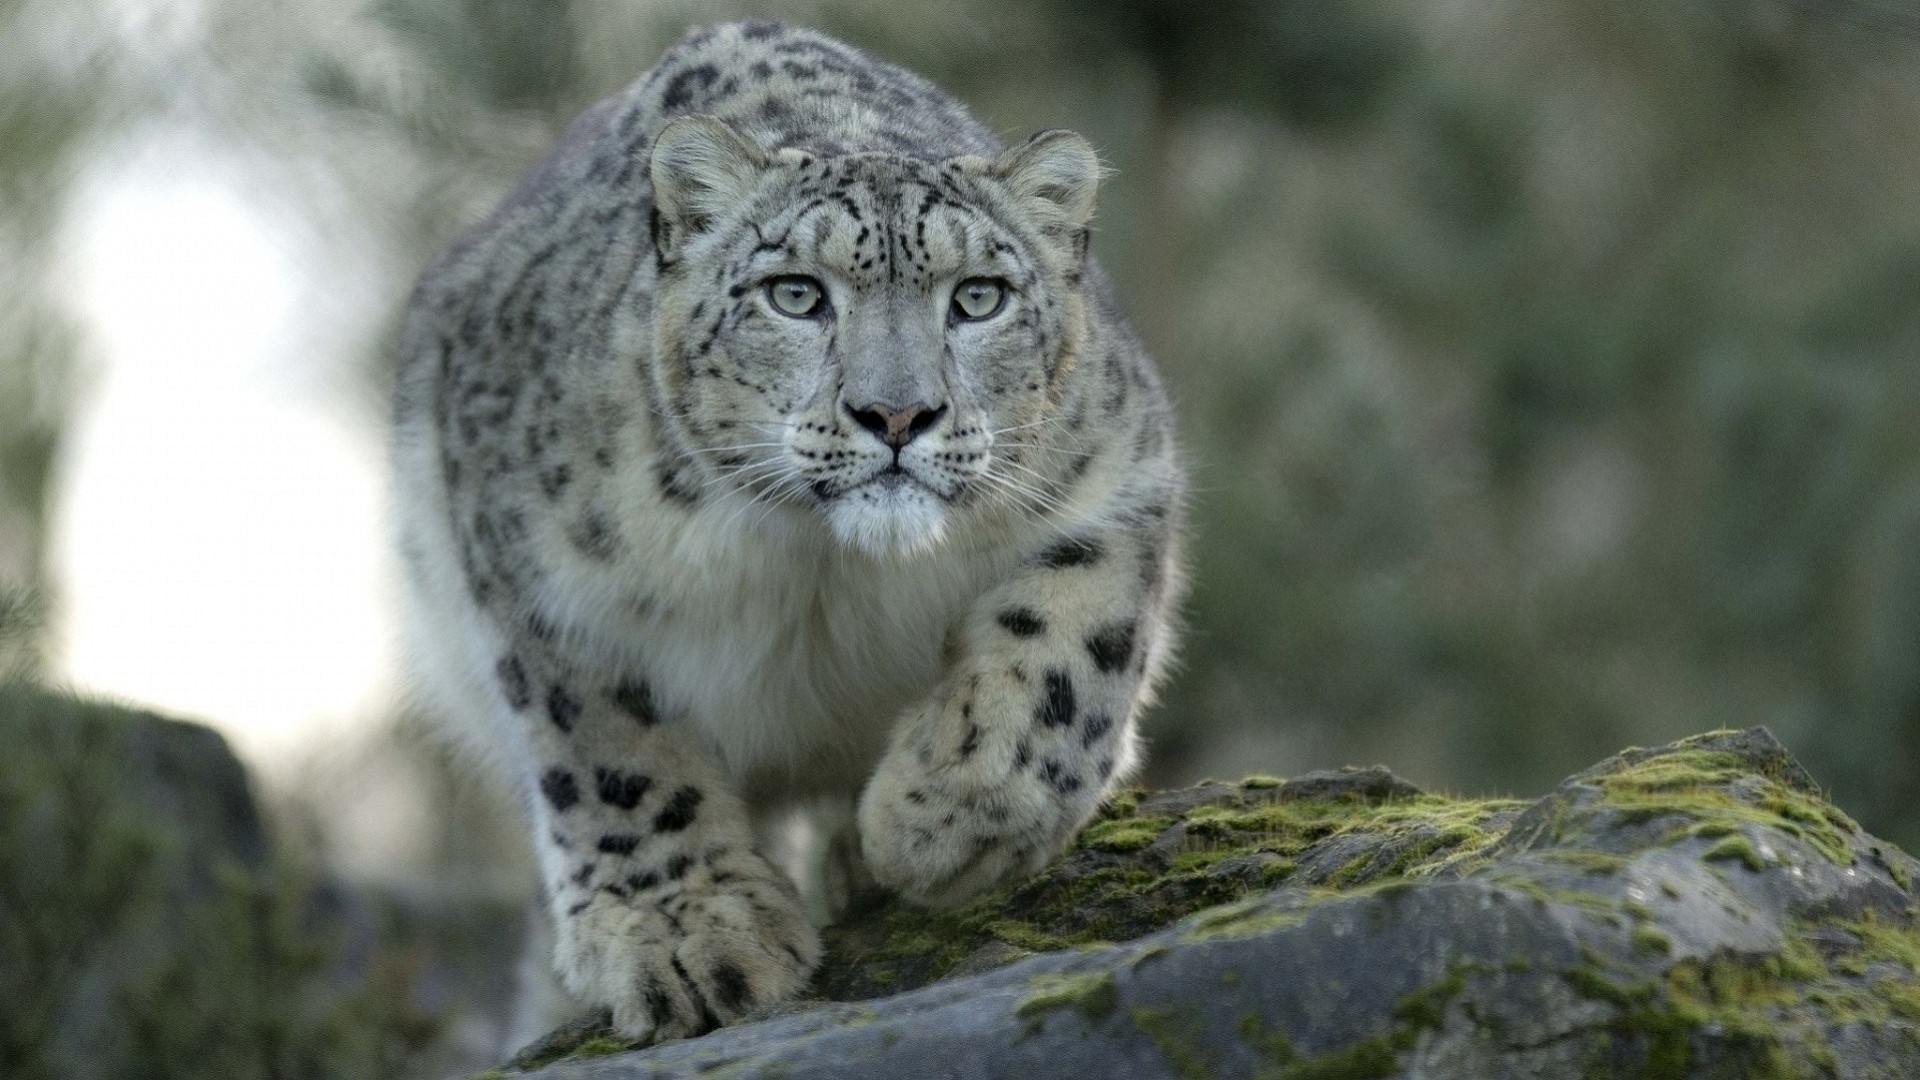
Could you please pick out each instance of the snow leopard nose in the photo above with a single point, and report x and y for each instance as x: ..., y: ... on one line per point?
x: 896, y: 425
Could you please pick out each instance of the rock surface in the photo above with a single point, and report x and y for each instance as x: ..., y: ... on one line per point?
x: 1697, y: 910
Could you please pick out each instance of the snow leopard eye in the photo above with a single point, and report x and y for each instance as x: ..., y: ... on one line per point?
x: 978, y: 298
x: 796, y: 295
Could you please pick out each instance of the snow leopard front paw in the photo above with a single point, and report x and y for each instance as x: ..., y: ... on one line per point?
x: 939, y: 837
x: 672, y: 962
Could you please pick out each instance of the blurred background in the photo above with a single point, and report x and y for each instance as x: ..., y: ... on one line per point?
x: 1549, y: 370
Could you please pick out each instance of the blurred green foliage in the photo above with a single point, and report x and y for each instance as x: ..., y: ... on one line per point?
x: 45, y: 124
x: 1547, y: 368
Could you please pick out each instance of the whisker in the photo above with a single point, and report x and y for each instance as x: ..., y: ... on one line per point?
x: 735, y: 446
x: 1056, y: 419
x: 758, y: 496
x: 1022, y: 497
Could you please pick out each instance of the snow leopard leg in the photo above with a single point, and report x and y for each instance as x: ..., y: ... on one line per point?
x: 1032, y: 724
x: 663, y: 912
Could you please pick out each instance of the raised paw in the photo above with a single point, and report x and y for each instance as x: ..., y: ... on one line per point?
x: 674, y: 961
x: 939, y: 841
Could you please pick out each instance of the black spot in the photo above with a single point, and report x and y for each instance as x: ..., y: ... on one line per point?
x: 672, y: 487
x: 513, y: 682
x: 1070, y: 552
x: 560, y: 788
x: 1098, y: 724
x: 618, y: 843
x: 679, y: 811
x: 730, y: 987
x: 593, y: 536
x: 1022, y: 753
x: 1111, y: 646
x: 635, y: 698
x: 1106, y: 768
x: 562, y: 708
x: 1150, y: 568
x: 1023, y: 622
x: 642, y: 882
x: 1056, y: 708
x: 681, y: 88
x: 678, y: 866
x: 971, y: 743
x: 583, y: 875
x: 917, y: 797
x: 1058, y: 778
x: 621, y: 789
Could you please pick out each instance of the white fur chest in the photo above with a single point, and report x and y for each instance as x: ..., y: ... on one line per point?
x: 791, y: 653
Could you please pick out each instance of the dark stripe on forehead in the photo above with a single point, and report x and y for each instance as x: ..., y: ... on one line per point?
x: 822, y: 225
x: 961, y: 239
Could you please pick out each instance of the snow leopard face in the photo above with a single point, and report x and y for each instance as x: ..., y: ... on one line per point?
x: 875, y: 337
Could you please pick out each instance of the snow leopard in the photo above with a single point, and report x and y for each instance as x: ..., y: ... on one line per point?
x: 779, y: 443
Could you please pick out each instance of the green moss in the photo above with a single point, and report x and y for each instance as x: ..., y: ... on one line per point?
x: 1896, y: 869
x: 1518, y: 881
x: 1148, y: 953
x: 1149, y: 861
x: 1426, y: 1008
x: 1123, y: 834
x: 1177, y: 1035
x: 1261, y: 782
x: 1901, y: 997
x: 1241, y: 920
x: 1736, y: 848
x: 1648, y: 940
x: 1765, y: 1014
x: 1093, y: 995
x: 1593, y: 862
x: 1367, y: 1059
x: 1879, y: 942
x: 1118, y: 883
x: 1271, y: 1043
x: 1695, y: 785
x: 600, y: 1046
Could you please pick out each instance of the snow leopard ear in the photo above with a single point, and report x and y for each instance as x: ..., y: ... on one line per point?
x: 700, y: 167
x: 1054, y: 175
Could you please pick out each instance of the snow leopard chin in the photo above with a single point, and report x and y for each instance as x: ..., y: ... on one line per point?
x: 889, y: 520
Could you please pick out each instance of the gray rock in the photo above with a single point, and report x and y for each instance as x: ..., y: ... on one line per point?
x: 1692, y: 911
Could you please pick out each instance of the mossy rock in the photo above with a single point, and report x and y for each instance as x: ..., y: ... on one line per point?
x: 1150, y: 860
x: 1697, y: 910
x: 146, y: 928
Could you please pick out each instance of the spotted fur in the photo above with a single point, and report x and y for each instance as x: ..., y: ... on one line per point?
x: 669, y: 570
